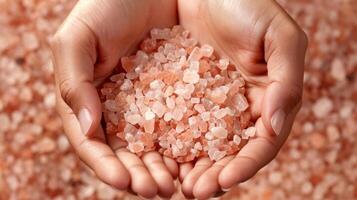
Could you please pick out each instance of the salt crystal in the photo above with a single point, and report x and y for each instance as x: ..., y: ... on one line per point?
x: 157, y: 85
x: 149, y: 115
x: 177, y: 114
x: 136, y: 147
x: 5, y: 122
x: 250, y: 132
x: 218, y: 95
x: 198, y: 146
x: 223, y: 64
x: 160, y: 33
x: 322, y: 107
x: 194, y: 66
x: 195, y: 55
x: 149, y: 126
x: 240, y: 102
x: 219, y: 114
x: 169, y: 91
x: 219, y: 132
x: 30, y: 41
x: 158, y: 108
x: 209, y: 136
x: 206, y: 50
x: 236, y: 139
x: 133, y: 118
x: 168, y: 116
x: 338, y: 70
x: 205, y: 116
x: 127, y: 85
x: 190, y: 76
x: 195, y: 100
x: 111, y: 105
x: 180, y: 127
x: 170, y: 103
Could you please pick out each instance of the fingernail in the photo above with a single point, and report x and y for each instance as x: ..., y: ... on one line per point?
x: 144, y: 198
x: 226, y: 189
x: 85, y: 120
x: 277, y: 121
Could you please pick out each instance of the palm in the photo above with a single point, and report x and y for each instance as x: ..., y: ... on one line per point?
x: 111, y: 29
x: 242, y: 41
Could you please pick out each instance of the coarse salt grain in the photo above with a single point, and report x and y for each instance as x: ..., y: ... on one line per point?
x: 188, y: 106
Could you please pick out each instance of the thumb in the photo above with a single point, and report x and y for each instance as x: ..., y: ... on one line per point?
x: 285, y: 47
x: 74, y: 56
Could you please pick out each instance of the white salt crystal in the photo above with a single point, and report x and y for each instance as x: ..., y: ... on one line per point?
x: 133, y: 118
x: 192, y: 121
x: 240, y: 102
x: 177, y: 114
x: 205, y: 116
x: 158, y: 108
x: 111, y: 105
x: 338, y: 71
x: 219, y: 114
x: 170, y: 103
x: 250, y: 132
x: 180, y: 127
x: 30, y: 41
x: 127, y: 85
x: 236, y: 139
x: 195, y: 100
x: 157, y: 85
x: 149, y: 115
x: 194, y: 66
x: 190, y: 76
x: 164, y: 34
x: 169, y: 91
x: 4, y: 122
x: 167, y: 116
x: 195, y: 55
x: 219, y: 132
x: 322, y: 107
x: 223, y: 64
x: 209, y: 136
x: 206, y: 50
x: 198, y: 146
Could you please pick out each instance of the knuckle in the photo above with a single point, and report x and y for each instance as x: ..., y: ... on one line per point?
x: 295, y: 95
x: 295, y: 34
x: 66, y: 90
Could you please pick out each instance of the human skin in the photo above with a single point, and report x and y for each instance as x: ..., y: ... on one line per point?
x: 86, y: 48
x: 256, y: 35
x: 269, y: 49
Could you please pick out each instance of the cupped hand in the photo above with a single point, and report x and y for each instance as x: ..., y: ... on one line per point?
x: 86, y: 49
x: 269, y: 49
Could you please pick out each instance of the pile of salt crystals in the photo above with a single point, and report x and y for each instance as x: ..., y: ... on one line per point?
x: 178, y: 99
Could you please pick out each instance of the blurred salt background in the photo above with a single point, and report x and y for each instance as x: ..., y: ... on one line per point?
x: 318, y: 161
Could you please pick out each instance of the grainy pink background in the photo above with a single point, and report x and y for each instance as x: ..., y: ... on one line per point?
x: 319, y: 160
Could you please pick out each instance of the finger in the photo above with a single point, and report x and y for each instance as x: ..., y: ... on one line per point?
x: 189, y: 181
x: 160, y: 173
x: 74, y: 56
x: 142, y: 182
x: 258, y: 152
x: 185, y: 169
x: 94, y: 152
x: 285, y: 47
x: 207, y: 185
x: 171, y: 166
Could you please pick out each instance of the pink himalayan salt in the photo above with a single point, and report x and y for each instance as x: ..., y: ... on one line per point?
x: 240, y: 102
x: 182, y: 108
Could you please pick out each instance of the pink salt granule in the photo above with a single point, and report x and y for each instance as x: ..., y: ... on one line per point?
x: 178, y: 98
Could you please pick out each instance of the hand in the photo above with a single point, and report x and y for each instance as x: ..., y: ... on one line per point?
x: 86, y: 48
x: 269, y: 49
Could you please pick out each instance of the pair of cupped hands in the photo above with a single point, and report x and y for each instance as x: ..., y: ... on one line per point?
x: 256, y: 35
